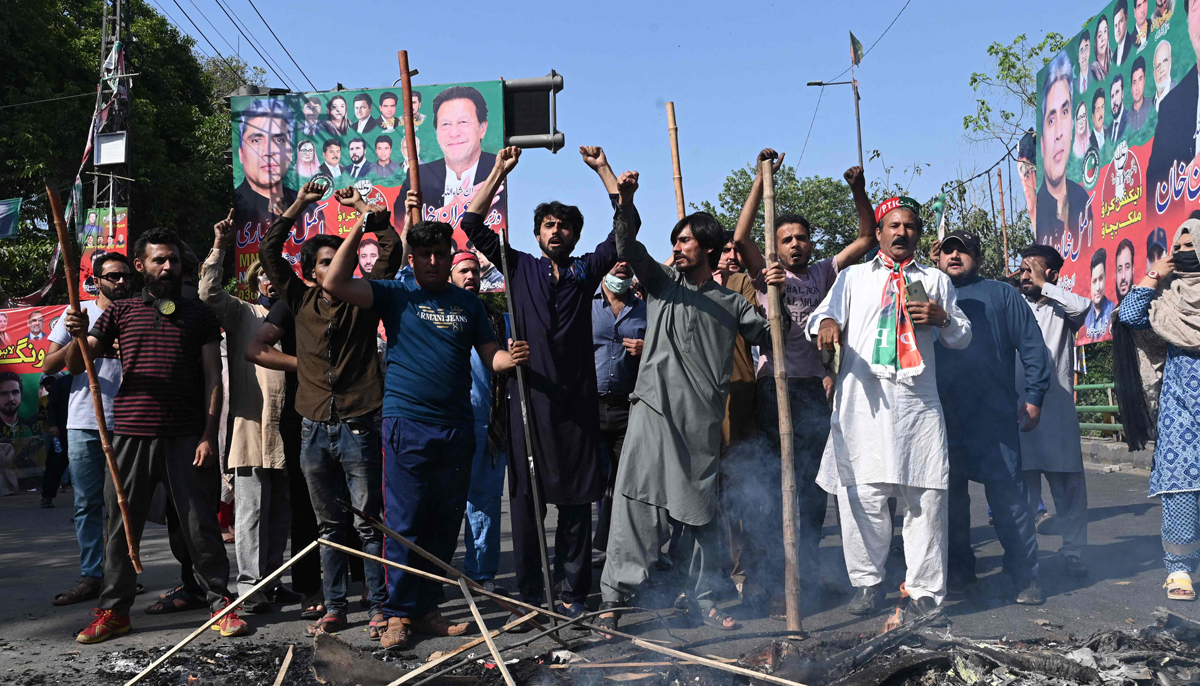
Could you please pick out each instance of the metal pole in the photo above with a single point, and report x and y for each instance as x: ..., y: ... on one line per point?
x: 534, y: 485
x: 1003, y: 218
x: 992, y: 199
x: 857, y: 118
x: 791, y: 561
x: 673, y: 130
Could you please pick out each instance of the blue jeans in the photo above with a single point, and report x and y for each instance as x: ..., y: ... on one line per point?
x: 426, y: 477
x: 341, y: 461
x: 88, y: 474
x: 481, y: 535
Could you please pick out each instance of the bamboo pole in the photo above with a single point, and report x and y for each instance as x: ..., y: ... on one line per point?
x: 645, y: 644
x: 110, y: 456
x: 673, y: 130
x: 484, y: 630
x: 461, y: 649
x: 410, y: 137
x: 228, y: 608
x: 1003, y: 218
x: 287, y: 662
x: 437, y: 561
x: 791, y: 562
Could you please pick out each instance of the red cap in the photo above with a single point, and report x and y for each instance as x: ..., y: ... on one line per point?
x: 462, y: 256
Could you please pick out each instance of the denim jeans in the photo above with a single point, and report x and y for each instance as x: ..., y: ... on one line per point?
x: 481, y: 535
x: 88, y: 473
x: 343, y: 461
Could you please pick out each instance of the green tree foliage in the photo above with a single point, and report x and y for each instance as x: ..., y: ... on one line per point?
x: 180, y: 127
x: 1007, y: 97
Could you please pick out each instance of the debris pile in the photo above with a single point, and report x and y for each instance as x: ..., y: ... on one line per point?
x: 225, y: 665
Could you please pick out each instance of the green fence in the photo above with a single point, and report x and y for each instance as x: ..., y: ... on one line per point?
x: 1108, y: 411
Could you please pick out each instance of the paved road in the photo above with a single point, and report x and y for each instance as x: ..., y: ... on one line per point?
x: 39, y: 557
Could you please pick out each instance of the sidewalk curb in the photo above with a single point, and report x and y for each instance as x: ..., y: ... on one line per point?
x: 1116, y: 453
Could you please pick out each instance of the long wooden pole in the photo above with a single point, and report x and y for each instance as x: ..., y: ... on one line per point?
x: 228, y: 608
x: 462, y: 584
x: 410, y: 138
x: 640, y: 642
x: 409, y: 676
x: 110, y: 456
x: 673, y: 130
x: 1003, y: 218
x: 791, y: 562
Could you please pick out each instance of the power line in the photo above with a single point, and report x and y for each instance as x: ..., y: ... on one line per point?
x: 253, y: 39
x: 249, y: 40
x: 214, y: 27
x: 285, y: 50
x: 868, y: 50
x: 233, y: 69
x: 36, y: 102
x: 810, y: 128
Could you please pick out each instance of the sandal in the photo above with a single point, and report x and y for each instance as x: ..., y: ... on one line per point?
x: 1179, y: 586
x: 721, y: 620
x: 331, y: 623
x: 376, y: 627
x: 610, y: 623
x: 177, y: 600
x: 435, y: 624
x: 313, y: 607
x: 84, y: 589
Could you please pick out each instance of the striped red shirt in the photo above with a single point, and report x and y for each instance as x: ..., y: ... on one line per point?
x: 162, y: 384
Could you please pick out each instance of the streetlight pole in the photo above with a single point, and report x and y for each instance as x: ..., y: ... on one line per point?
x: 857, y: 116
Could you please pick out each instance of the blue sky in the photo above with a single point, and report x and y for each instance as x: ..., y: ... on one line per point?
x: 735, y: 70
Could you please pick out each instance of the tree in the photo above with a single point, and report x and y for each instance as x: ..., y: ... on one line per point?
x: 1008, y: 96
x: 181, y: 127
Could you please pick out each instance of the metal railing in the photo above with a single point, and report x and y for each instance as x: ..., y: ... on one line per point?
x: 1110, y: 410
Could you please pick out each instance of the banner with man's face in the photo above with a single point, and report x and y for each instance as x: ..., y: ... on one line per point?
x: 24, y: 343
x: 356, y: 138
x: 1116, y: 149
x: 105, y: 230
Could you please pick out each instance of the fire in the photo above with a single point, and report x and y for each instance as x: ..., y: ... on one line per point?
x: 896, y: 618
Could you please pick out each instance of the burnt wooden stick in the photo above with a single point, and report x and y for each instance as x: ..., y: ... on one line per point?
x: 287, y: 662
x: 410, y: 137
x: 110, y: 456
x: 791, y: 561
x: 466, y: 591
x: 462, y: 648
x: 217, y: 617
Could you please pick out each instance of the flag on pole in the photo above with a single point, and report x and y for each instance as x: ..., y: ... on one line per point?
x: 10, y: 215
x: 939, y: 213
x: 856, y: 50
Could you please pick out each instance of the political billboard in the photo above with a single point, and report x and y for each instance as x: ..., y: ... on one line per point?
x: 105, y: 230
x: 1115, y: 152
x: 356, y: 137
x: 24, y: 342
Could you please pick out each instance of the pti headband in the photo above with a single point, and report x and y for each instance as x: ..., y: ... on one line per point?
x: 897, y: 203
x: 463, y: 256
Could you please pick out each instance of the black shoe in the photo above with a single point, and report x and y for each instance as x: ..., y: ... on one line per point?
x: 259, y: 608
x: 922, y: 607
x: 527, y: 626
x: 1075, y: 566
x: 573, y: 611
x: 283, y: 595
x: 865, y: 601
x: 1031, y: 595
x: 47, y: 503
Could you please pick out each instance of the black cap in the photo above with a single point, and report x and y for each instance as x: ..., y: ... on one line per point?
x: 969, y: 240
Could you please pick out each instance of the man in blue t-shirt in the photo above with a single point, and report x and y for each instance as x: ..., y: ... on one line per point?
x: 428, y: 423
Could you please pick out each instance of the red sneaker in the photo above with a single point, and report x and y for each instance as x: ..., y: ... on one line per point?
x: 231, y: 625
x: 105, y: 626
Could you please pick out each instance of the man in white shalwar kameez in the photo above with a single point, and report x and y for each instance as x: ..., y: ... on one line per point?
x: 888, y: 435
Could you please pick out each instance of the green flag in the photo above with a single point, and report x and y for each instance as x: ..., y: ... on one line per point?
x: 10, y: 215
x: 856, y: 50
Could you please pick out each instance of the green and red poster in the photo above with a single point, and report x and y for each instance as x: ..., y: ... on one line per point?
x: 1115, y: 152
x: 356, y: 137
x: 24, y: 341
x: 106, y: 230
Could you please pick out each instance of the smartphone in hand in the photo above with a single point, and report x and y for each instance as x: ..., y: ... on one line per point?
x: 915, y: 292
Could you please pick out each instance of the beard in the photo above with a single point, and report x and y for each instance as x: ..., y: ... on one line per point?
x: 558, y: 253
x: 164, y: 287
x: 114, y: 293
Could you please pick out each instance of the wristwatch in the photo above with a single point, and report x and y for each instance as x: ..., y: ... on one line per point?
x: 1153, y: 274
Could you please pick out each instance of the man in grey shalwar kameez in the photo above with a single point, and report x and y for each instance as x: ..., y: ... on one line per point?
x: 1052, y: 449
x: 668, y: 469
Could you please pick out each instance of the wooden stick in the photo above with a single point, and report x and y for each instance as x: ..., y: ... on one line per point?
x: 461, y: 649
x: 410, y: 137
x: 228, y: 608
x: 287, y: 662
x: 480, y: 591
x: 732, y: 669
x: 609, y: 665
x: 110, y: 455
x: 1003, y: 219
x: 466, y: 591
x: 444, y: 566
x: 791, y: 561
x: 673, y: 130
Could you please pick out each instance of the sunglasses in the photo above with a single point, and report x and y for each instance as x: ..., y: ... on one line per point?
x: 116, y: 277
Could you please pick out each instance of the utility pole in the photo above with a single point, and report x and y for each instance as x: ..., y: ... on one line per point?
x: 110, y: 183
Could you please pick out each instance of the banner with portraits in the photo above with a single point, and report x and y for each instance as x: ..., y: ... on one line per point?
x: 1113, y: 171
x: 105, y: 230
x: 24, y: 342
x: 356, y: 137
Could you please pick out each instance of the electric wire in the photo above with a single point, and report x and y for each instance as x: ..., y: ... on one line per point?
x: 232, y: 69
x: 249, y: 40
x: 36, y: 102
x: 254, y: 40
x: 285, y: 50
